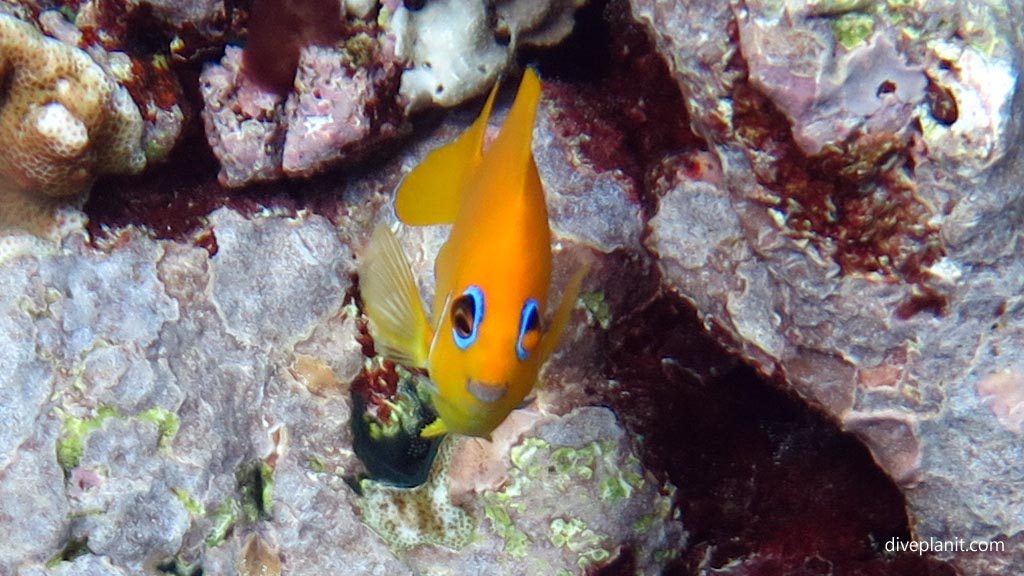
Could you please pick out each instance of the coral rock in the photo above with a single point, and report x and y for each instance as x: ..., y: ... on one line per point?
x: 456, y: 50
x: 884, y: 287
x: 63, y: 121
x: 334, y: 112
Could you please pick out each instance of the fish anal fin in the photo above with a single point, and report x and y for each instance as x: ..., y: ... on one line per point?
x: 561, y: 318
x: 392, y: 302
x: 432, y: 192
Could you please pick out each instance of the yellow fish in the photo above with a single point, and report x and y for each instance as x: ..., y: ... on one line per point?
x: 486, y: 342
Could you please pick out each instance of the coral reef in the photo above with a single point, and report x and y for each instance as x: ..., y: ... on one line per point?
x: 182, y: 374
x: 306, y: 94
x: 64, y: 121
x: 73, y: 111
x: 456, y: 50
x: 855, y: 233
x: 190, y: 411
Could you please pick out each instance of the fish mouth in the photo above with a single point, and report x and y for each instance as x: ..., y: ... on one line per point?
x: 487, y: 392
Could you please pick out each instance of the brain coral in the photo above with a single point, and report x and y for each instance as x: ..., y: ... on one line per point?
x: 63, y: 121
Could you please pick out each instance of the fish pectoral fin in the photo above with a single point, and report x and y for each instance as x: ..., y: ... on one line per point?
x: 561, y: 319
x: 432, y: 192
x: 392, y: 302
x: 434, y: 429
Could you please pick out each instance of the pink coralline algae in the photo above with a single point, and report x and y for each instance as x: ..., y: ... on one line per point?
x: 340, y: 105
x: 1003, y: 393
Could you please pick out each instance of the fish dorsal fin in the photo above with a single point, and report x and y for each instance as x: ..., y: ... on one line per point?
x: 392, y: 301
x: 561, y: 319
x: 512, y: 151
x: 432, y: 192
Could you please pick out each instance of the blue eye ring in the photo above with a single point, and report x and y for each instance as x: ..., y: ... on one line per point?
x: 467, y: 313
x: 528, y: 321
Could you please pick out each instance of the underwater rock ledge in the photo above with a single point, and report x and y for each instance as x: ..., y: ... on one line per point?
x: 858, y: 235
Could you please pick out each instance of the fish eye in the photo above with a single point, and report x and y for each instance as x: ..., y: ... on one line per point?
x: 529, y: 329
x: 467, y: 313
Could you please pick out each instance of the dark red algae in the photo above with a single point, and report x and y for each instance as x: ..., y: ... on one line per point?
x: 855, y: 200
x: 278, y: 30
x: 629, y: 125
x: 173, y: 199
x: 766, y: 485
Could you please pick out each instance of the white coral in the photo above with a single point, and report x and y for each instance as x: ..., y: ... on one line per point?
x: 453, y: 48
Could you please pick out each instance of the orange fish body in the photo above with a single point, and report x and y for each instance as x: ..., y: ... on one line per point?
x: 484, y: 345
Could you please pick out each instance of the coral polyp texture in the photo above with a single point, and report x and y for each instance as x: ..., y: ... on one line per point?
x: 63, y: 121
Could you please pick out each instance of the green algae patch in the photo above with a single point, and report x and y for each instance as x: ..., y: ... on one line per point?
x: 575, y: 493
x: 409, y: 517
x: 853, y: 28
x: 516, y: 541
x: 71, y: 444
x: 572, y: 534
x: 224, y: 519
x: 597, y: 308
x: 167, y: 423
x: 256, y: 490
x: 193, y: 506
x: 539, y: 466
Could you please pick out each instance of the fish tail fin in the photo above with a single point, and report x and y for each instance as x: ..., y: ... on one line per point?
x: 434, y: 429
x: 431, y: 193
x: 392, y: 302
x: 561, y: 319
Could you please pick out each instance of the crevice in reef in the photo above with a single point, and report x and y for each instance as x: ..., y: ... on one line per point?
x: 761, y: 477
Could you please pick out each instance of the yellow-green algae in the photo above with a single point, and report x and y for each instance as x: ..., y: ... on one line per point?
x: 574, y: 535
x: 409, y: 517
x: 598, y: 310
x: 538, y: 465
x: 853, y: 28
x: 167, y: 423
x: 224, y: 518
x: 256, y: 490
x: 252, y: 503
x: 75, y: 431
x: 410, y: 395
x: 71, y: 444
x: 193, y: 506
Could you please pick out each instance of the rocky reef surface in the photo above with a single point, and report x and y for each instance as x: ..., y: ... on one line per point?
x: 799, y: 341
x: 857, y: 232
x: 169, y: 411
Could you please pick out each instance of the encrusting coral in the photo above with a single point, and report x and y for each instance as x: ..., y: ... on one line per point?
x: 63, y: 122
